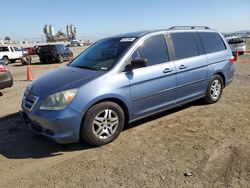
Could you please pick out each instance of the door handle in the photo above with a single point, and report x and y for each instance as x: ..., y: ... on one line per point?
x: 167, y: 70
x: 182, y: 67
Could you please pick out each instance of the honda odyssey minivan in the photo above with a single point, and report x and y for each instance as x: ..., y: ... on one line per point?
x: 127, y: 77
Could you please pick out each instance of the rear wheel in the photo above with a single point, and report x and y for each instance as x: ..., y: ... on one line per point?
x: 214, y: 90
x: 23, y: 61
x: 42, y: 61
x: 103, y: 123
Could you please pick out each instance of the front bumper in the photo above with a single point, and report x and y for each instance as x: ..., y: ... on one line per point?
x: 62, y: 126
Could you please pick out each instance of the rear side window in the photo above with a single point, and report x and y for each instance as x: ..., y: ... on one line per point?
x: 184, y: 45
x: 154, y: 50
x: 4, y: 49
x: 212, y: 42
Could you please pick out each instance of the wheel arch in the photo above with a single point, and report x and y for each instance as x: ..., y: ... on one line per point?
x: 5, y: 56
x: 118, y: 101
x: 222, y: 76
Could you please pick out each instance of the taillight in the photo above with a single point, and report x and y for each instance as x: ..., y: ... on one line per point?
x: 232, y: 59
x: 3, y: 68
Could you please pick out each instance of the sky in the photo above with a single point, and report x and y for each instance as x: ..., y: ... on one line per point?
x: 95, y: 19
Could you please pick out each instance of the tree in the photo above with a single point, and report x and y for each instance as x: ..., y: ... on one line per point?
x: 7, y: 38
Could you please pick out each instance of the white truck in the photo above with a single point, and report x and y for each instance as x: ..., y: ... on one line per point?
x: 10, y: 54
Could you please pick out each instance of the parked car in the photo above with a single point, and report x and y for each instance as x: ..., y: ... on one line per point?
x: 30, y: 50
x: 10, y: 54
x: 75, y: 43
x: 87, y: 43
x: 36, y: 49
x: 127, y: 77
x: 236, y: 44
x: 6, y: 79
x: 54, y: 53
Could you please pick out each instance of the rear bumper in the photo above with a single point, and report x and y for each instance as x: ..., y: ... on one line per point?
x: 6, y: 80
x: 60, y: 126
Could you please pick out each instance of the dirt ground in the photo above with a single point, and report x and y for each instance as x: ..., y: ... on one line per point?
x: 195, y: 145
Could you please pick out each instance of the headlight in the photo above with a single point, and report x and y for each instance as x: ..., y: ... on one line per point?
x: 59, y: 101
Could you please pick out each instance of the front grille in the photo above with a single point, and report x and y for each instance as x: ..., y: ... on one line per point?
x: 29, y: 101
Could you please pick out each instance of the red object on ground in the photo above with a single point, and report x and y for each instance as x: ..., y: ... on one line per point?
x: 236, y: 56
x: 3, y: 68
x: 29, y: 74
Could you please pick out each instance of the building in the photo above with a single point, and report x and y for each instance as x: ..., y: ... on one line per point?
x: 51, y: 36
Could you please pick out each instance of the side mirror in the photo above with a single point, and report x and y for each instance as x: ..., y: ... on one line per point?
x: 136, y: 63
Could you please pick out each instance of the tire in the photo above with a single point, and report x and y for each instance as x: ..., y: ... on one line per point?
x: 6, y: 60
x: 214, y: 90
x: 29, y: 59
x: 103, y: 123
x: 42, y: 61
x: 60, y: 59
x: 23, y: 62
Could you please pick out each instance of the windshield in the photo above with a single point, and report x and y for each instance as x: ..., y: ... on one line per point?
x: 103, y: 54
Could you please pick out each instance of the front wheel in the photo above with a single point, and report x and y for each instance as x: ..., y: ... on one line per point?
x: 6, y: 60
x: 103, y: 123
x: 214, y: 90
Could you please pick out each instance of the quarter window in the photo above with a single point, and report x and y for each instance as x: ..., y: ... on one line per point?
x: 184, y: 45
x: 212, y: 42
x: 154, y: 50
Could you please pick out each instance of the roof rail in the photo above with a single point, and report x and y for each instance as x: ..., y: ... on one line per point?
x: 189, y: 27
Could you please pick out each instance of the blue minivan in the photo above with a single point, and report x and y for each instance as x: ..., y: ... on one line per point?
x: 127, y: 77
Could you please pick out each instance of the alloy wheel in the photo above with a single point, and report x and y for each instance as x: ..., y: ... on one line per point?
x: 215, y: 89
x: 105, y: 124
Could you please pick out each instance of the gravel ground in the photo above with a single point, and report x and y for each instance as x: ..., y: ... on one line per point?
x: 195, y: 145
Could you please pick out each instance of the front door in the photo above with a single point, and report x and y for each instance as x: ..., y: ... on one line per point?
x: 152, y: 87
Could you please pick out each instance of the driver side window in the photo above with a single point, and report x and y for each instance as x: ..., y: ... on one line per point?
x: 154, y: 49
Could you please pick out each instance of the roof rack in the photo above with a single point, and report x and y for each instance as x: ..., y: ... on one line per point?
x: 189, y: 27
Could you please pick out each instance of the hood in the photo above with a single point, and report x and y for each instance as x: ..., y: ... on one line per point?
x: 62, y: 79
